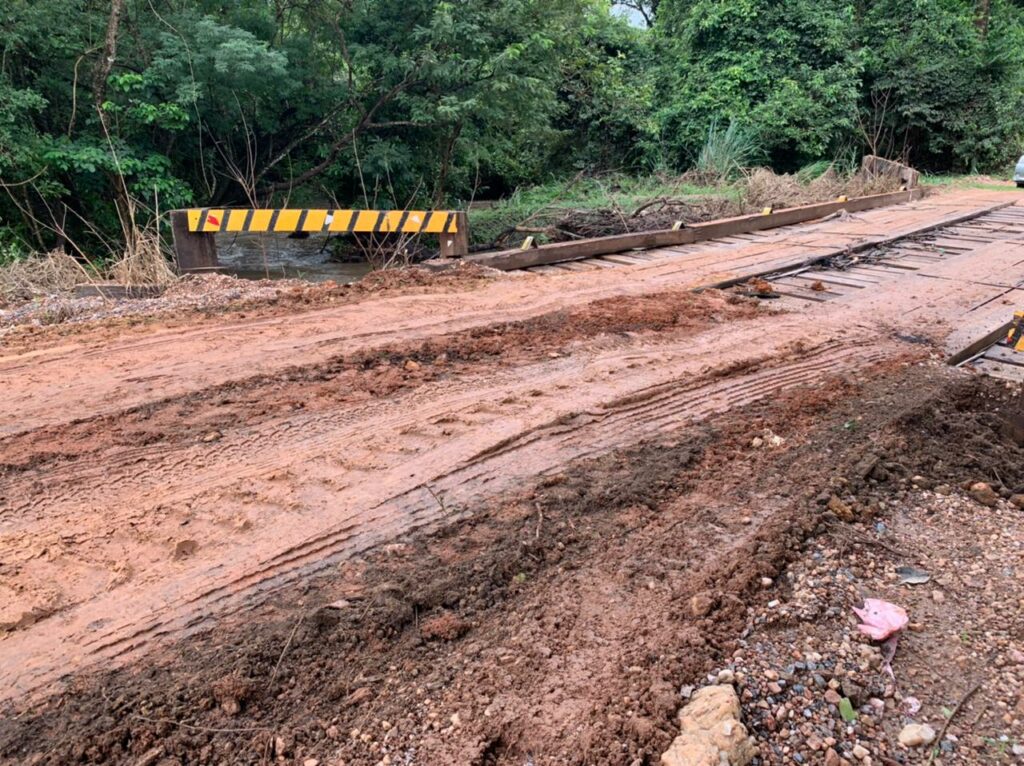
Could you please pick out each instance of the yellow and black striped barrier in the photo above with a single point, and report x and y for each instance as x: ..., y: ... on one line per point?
x: 290, y: 220
x: 196, y: 250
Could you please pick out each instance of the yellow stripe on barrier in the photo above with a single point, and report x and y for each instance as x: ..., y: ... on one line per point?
x: 287, y: 220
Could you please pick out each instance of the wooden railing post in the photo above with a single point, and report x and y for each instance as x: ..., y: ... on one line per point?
x: 192, y: 251
x: 456, y: 244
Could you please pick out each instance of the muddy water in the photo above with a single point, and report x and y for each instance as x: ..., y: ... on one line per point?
x: 254, y: 256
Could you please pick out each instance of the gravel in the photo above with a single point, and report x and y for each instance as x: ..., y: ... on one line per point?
x: 802, y: 655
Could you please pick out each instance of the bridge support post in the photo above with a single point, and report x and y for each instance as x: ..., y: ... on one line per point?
x: 456, y: 245
x: 192, y: 251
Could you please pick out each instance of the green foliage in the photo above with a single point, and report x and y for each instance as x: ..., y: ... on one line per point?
x: 395, y: 102
x: 942, y: 86
x: 783, y: 71
x: 726, y: 152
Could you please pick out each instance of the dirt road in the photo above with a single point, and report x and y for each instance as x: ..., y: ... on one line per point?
x: 165, y: 483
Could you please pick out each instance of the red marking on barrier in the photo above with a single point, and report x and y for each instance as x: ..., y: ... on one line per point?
x: 213, y: 220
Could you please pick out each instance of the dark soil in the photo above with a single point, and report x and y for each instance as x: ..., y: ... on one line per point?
x: 554, y: 626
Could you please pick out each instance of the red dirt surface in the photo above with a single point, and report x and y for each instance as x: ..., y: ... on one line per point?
x: 486, y: 527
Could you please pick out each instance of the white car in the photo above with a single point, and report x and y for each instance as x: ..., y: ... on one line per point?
x: 1018, y: 174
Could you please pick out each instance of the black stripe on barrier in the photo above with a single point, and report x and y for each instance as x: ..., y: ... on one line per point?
x: 426, y: 221
x: 449, y: 223
x: 248, y: 219
x: 202, y: 219
x: 402, y: 220
x: 377, y: 227
x: 273, y: 220
x: 352, y: 220
x: 302, y: 219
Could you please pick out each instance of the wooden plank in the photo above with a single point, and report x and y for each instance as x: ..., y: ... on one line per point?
x: 587, y: 248
x: 620, y: 260
x: 1005, y: 354
x: 192, y: 251
x: 456, y: 244
x: 979, y: 345
x: 802, y: 287
x: 999, y: 370
x: 577, y: 266
x: 830, y: 278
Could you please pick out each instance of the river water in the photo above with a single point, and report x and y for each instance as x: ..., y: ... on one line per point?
x: 255, y: 256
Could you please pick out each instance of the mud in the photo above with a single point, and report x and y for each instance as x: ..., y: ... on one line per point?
x: 556, y: 624
x: 193, y: 298
x: 494, y: 526
x: 372, y: 374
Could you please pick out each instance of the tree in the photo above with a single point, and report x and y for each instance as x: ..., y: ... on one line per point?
x: 784, y: 71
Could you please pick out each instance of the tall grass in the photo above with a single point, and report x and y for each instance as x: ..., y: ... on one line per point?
x: 726, y: 152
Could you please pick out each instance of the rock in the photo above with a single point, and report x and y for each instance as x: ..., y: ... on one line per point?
x: 831, y: 757
x: 411, y: 366
x: 1017, y: 500
x: 702, y: 603
x: 711, y: 732
x: 211, y: 437
x: 860, y: 752
x: 280, y: 746
x: 938, y: 596
x: 984, y: 494
x: 359, y: 696
x: 921, y: 481
x: 840, y: 509
x: 917, y: 734
x: 726, y: 676
x: 943, y: 489
x: 311, y: 762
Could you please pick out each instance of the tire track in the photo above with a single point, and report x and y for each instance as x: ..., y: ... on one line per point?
x: 149, y: 613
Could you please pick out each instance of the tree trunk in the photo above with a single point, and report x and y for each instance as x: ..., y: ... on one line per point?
x: 984, y: 14
x: 106, y: 63
x: 99, y: 93
x: 446, y: 161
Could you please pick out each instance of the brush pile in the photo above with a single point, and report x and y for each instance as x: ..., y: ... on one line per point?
x: 142, y: 264
x: 761, y: 188
x: 754, y: 190
x: 39, y: 275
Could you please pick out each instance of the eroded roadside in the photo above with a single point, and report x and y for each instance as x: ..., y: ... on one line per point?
x: 557, y: 624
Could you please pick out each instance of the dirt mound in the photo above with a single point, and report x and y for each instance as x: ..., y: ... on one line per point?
x: 985, y: 422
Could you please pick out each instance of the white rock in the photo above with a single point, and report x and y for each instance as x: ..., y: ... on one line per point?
x: 917, y: 734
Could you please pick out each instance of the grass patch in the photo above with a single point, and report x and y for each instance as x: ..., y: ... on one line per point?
x: 592, y: 193
x: 1001, y: 182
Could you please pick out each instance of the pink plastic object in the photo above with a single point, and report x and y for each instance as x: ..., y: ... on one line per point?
x: 880, y: 619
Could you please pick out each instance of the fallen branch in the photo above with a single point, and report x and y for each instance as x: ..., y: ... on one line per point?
x: 942, y: 733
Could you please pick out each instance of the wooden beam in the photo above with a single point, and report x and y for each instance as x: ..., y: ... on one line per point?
x: 456, y: 244
x: 192, y: 251
x: 507, y: 260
